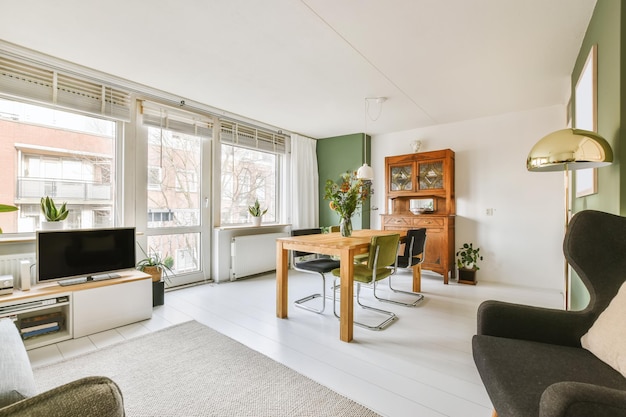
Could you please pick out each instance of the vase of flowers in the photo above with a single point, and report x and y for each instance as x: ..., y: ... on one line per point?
x: 345, y: 226
x: 346, y: 196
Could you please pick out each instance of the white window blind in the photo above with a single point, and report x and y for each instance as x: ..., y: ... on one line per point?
x: 251, y: 137
x: 170, y: 118
x: 48, y: 86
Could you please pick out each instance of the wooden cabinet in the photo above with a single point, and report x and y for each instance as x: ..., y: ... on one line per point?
x: 424, y: 180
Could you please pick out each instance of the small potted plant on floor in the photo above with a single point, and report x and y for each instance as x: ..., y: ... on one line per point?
x: 467, y: 263
x: 256, y: 212
x: 54, y: 215
x: 158, y: 268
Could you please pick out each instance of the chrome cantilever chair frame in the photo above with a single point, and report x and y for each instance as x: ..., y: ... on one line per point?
x: 410, y: 256
x: 315, y: 266
x: 391, y: 317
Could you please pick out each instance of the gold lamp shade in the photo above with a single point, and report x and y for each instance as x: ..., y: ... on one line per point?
x: 569, y: 149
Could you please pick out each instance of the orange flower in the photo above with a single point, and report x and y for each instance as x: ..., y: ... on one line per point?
x: 347, y: 195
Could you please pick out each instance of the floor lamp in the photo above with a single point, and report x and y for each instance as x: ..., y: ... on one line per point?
x: 568, y: 150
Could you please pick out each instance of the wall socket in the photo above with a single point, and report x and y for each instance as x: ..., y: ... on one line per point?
x: 489, y: 211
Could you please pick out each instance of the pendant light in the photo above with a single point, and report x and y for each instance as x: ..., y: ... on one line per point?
x: 365, y: 172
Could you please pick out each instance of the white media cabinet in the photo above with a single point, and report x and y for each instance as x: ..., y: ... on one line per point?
x: 85, y: 309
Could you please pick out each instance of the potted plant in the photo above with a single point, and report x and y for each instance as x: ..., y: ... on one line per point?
x: 156, y: 266
x: 4, y: 208
x: 53, y: 215
x: 467, y: 263
x: 256, y: 212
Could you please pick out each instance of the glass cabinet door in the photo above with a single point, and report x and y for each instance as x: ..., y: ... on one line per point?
x: 401, y: 177
x: 430, y: 175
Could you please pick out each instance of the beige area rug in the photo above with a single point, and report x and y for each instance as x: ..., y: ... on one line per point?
x: 191, y: 370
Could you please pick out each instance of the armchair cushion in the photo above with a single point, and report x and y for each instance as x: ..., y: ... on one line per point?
x: 519, y: 371
x: 607, y: 337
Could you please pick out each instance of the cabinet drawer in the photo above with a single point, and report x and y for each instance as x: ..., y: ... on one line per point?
x: 428, y: 222
x: 398, y: 221
x: 396, y: 228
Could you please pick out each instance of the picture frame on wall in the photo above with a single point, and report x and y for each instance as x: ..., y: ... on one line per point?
x: 586, y: 117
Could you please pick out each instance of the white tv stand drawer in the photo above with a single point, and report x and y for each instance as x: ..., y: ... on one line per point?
x: 104, y: 308
x: 86, y: 308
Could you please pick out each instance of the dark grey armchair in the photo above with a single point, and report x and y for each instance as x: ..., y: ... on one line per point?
x: 531, y: 360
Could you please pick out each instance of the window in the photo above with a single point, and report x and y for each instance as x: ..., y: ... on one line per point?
x: 177, y: 149
x: 252, y: 161
x: 186, y: 181
x: 155, y: 178
x: 58, y: 138
x: 66, y: 156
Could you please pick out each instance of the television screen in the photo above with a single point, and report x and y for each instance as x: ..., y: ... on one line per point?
x: 65, y: 254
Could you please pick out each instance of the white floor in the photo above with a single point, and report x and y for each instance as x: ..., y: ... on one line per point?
x: 420, y: 366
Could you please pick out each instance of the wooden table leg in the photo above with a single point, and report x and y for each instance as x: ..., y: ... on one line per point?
x: 417, y: 278
x: 281, y: 280
x: 346, y: 324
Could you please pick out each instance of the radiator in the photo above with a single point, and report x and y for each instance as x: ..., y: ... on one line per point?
x: 253, y: 254
x: 10, y: 264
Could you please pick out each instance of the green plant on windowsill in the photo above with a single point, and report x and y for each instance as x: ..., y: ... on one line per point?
x: 5, y: 208
x: 51, y: 212
x: 255, y: 210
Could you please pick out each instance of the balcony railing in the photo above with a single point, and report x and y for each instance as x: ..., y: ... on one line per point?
x: 63, y: 189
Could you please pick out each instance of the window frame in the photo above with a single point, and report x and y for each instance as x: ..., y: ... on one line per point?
x: 257, y: 139
x: 60, y: 156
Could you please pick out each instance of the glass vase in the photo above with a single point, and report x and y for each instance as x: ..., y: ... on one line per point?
x: 345, y: 226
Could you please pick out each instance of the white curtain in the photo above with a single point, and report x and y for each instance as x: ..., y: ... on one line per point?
x: 304, y: 183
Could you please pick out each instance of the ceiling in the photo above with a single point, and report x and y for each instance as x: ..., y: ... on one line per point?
x: 308, y: 66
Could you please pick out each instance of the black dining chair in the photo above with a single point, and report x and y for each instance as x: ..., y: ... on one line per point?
x: 317, y: 265
x: 414, y: 251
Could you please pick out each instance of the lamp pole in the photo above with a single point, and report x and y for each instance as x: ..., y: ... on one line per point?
x: 566, y: 223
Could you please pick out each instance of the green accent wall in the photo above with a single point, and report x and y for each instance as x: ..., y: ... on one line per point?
x: 335, y: 156
x: 606, y: 29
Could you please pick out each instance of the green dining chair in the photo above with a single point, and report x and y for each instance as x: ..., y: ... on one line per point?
x: 385, y: 250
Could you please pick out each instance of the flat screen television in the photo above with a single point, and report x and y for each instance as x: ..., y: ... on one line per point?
x: 74, y: 256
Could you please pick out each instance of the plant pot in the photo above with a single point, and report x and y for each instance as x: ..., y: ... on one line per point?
x: 46, y: 225
x: 154, y: 271
x: 467, y: 276
x: 158, y: 293
x: 256, y: 221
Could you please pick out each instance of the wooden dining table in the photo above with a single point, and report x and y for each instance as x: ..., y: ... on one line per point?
x: 330, y: 244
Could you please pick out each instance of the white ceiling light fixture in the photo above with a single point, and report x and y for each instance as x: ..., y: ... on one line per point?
x: 365, y: 172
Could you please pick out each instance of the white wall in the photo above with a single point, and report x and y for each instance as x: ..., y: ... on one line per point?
x: 522, y: 241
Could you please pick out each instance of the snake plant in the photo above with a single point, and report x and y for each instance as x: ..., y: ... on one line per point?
x: 255, y: 210
x: 51, y: 212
